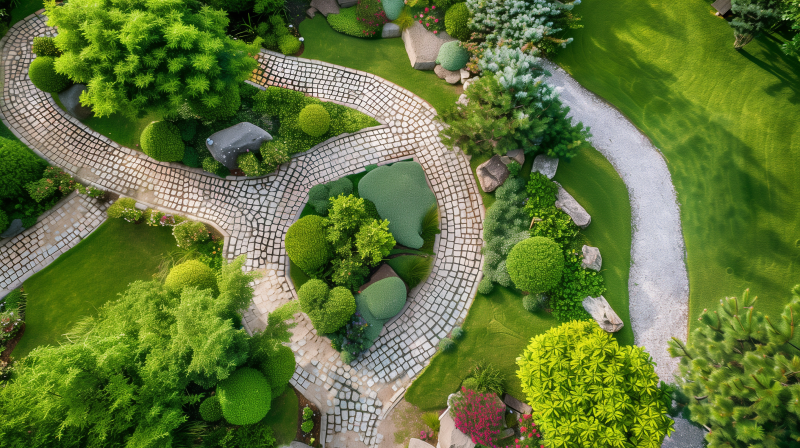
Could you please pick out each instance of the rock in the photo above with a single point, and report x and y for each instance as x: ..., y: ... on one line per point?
x: 422, y: 46
x: 325, y: 6
x: 416, y: 443
x: 70, y: 98
x: 469, y: 82
x: 601, y: 311
x: 448, y: 75
x: 140, y: 206
x: 570, y: 206
x: 14, y: 229
x: 384, y: 271
x: 513, y: 403
x: 546, y: 165
x: 464, y: 75
x: 492, y: 173
x: 449, y: 436
x: 228, y: 143
x: 347, y: 3
x: 517, y: 155
x: 508, y: 432
x: 591, y: 258
x: 311, y: 12
x: 390, y: 30
x: 462, y: 99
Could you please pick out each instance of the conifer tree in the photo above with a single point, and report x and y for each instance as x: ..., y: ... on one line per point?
x: 138, y: 55
x: 752, y: 17
x: 740, y: 374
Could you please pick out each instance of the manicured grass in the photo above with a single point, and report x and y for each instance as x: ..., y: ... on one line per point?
x: 497, y: 328
x: 386, y: 58
x: 93, y: 272
x: 413, y: 269
x: 283, y: 417
x: 25, y: 8
x: 727, y: 123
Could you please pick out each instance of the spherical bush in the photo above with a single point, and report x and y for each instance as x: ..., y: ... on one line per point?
x: 533, y: 302
x: 245, y: 396
x: 44, y: 46
x: 456, y: 21
x: 42, y: 72
x: 536, y: 264
x: 288, y: 44
x: 314, y: 120
x: 328, y: 309
x: 485, y: 286
x: 279, y: 369
x: 385, y: 298
x: 210, y: 409
x: 162, y: 141
x: 307, y: 244
x: 230, y: 103
x: 191, y: 273
x: 452, y: 56
x: 393, y: 8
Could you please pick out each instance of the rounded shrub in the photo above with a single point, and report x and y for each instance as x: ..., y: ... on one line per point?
x: 44, y: 46
x: 533, y: 302
x: 191, y: 273
x: 318, y: 198
x: 4, y: 221
x: 314, y: 120
x: 393, y: 8
x: 446, y: 344
x: 456, y: 21
x: 340, y: 186
x: 452, y: 56
x: 189, y: 233
x: 328, y: 310
x: 385, y: 298
x: 245, y: 396
x: 210, y: 409
x: 307, y: 426
x: 42, y: 72
x: 536, y: 264
x: 307, y: 243
x: 288, y: 44
x: 279, y: 368
x: 347, y: 357
x: 346, y: 22
x: 485, y: 286
x: 19, y: 166
x: 230, y: 101
x: 457, y: 333
x: 162, y: 141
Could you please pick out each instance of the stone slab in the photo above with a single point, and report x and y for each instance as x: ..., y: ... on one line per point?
x: 423, y: 46
x: 517, y: 405
x: 546, y: 165
x: 326, y: 7
x: 390, y: 30
x: 566, y: 203
x: 492, y: 173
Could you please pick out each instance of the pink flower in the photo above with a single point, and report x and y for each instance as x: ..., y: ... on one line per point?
x: 426, y: 9
x: 427, y: 24
x: 433, y: 7
x: 436, y: 20
x: 420, y: 21
x: 435, y: 32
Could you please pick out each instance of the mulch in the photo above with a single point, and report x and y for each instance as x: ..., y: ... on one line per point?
x: 6, y: 355
x: 317, y: 418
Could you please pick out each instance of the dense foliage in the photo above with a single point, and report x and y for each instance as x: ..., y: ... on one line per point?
x: 191, y: 273
x: 346, y: 22
x: 739, y: 374
x: 288, y: 44
x: 328, y: 309
x: 478, y: 415
x: 18, y: 167
x: 43, y: 75
x: 536, y: 264
x: 370, y: 16
x: 320, y: 195
x: 278, y: 367
x: 586, y: 390
x: 387, y: 298
x: 161, y: 140
x: 452, y: 56
x: 44, y: 46
x: 189, y: 233
x: 211, y: 409
x: 456, y: 21
x: 307, y: 244
x: 751, y: 18
x: 791, y: 13
x: 245, y: 396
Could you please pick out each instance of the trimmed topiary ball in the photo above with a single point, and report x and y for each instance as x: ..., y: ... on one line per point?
x: 536, y: 264
x: 385, y: 298
x: 533, y: 302
x: 191, y: 273
x: 288, y: 44
x: 245, y: 396
x: 314, y: 120
x: 279, y: 368
x: 393, y: 8
x: 452, y: 56
x: 485, y: 286
x: 44, y: 46
x: 456, y: 21
x: 210, y: 409
x: 42, y: 72
x: 162, y: 141
x: 230, y: 102
x: 307, y: 243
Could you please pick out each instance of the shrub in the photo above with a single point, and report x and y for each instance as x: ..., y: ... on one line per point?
x: 214, y: 167
x: 431, y: 419
x: 393, y: 8
x: 288, y: 44
x: 274, y: 154
x: 577, y: 283
x: 341, y: 186
x: 44, y: 46
x: 446, y: 344
x: 162, y: 141
x: 307, y: 413
x: 456, y: 21
x: 318, y: 198
x: 533, y: 302
x: 191, y: 273
x: 228, y: 104
x: 567, y: 376
x: 314, y: 120
x: 4, y: 221
x: 478, y: 415
x: 452, y: 56
x: 470, y: 383
x: 345, y: 22
x: 432, y: 19
x: 401, y: 195
x: 444, y: 4
x: 457, y: 333
x: 42, y: 72
x: 513, y: 168
x: 245, y: 396
x: 351, y: 339
x: 279, y: 368
x: 488, y: 378
x: 307, y: 426
x: 385, y: 298
x: 124, y: 208
x: 210, y: 409
x: 373, y: 241
x: 307, y: 245
x: 371, y: 16
x: 257, y: 435
x: 485, y: 286
x: 505, y: 225
x: 536, y: 264
x: 250, y: 165
x: 18, y: 167
x: 191, y: 158
x: 328, y: 309
x: 189, y: 233
x: 347, y: 357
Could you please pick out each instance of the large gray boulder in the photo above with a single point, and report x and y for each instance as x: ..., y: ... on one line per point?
x: 492, y: 173
x: 228, y: 143
x: 546, y: 165
x: 449, y: 436
x: 70, y: 98
x: 450, y: 76
x: 602, y: 312
x: 325, y: 6
x: 566, y: 203
x: 591, y: 258
x: 14, y: 229
x: 390, y: 30
x: 423, y: 46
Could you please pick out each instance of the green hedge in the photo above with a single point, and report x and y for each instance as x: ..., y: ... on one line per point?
x: 328, y: 309
x: 210, y: 409
x: 18, y: 167
x: 162, y: 141
x: 245, y: 396
x: 42, y: 72
x: 401, y: 195
x: 456, y: 21
x: 452, y: 56
x: 536, y: 264
x: 307, y: 244
x: 4, y: 221
x: 345, y: 22
x: 191, y: 273
x: 314, y: 120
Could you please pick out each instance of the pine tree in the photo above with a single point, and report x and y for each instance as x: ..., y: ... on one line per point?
x: 740, y: 374
x: 752, y: 18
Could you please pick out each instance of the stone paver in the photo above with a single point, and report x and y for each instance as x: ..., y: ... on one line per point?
x: 256, y: 213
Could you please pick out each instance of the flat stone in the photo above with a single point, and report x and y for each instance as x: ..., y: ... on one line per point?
x: 546, y: 165
x: 228, y: 143
x: 462, y: 99
x: 450, y: 76
x: 517, y: 405
x: 517, y: 155
x: 417, y: 443
x: 422, y: 46
x: 311, y: 12
x: 347, y: 3
x: 570, y: 206
x: 603, y: 314
x: 390, y: 30
x: 14, y: 229
x: 591, y: 258
x: 384, y: 271
x: 70, y: 98
x: 465, y: 74
x: 326, y: 6
x: 492, y: 173
x: 449, y: 436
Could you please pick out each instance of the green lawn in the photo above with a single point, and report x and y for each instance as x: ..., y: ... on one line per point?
x: 386, y: 58
x: 727, y: 123
x: 497, y: 328
x: 25, y: 8
x: 283, y: 417
x: 85, y: 277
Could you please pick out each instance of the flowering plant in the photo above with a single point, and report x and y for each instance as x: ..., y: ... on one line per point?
x: 431, y: 19
x: 351, y: 338
x: 371, y: 17
x: 10, y: 323
x: 529, y: 435
x: 478, y: 415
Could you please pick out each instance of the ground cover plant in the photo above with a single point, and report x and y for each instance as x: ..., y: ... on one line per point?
x: 738, y: 196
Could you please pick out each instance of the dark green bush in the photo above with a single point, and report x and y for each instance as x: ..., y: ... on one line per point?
x: 288, y: 44
x: 278, y: 102
x: 456, y: 21
x: 413, y: 269
x: 188, y: 129
x: 257, y: 435
x: 19, y: 166
x: 307, y: 245
x: 229, y: 104
x: 318, y: 198
x: 191, y: 158
x: 385, y: 298
x: 402, y: 196
x: 210, y: 409
x: 577, y: 283
x: 162, y: 141
x: 452, y: 56
x: 536, y: 264
x: 245, y: 396
x: 505, y: 225
x: 231, y: 5
x: 340, y: 186
x: 446, y: 344
x: 345, y: 22
x: 4, y: 221
x: 191, y: 273
x: 43, y: 75
x: 314, y: 120
x: 328, y: 309
x: 214, y: 167
x: 45, y: 46
x: 533, y: 302
x: 250, y: 165
x: 279, y: 368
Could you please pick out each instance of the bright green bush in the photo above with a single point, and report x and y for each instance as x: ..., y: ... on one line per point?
x: 345, y: 22
x: 385, y: 298
x: 452, y: 56
x: 4, y: 221
x: 443, y: 4
x: 230, y: 103
x: 189, y: 233
x: 18, y: 167
x: 214, y: 167
x: 250, y: 165
x: 393, y: 8
x: 307, y: 245
x: 374, y: 241
x: 274, y: 153
x: 43, y: 75
x: 162, y: 141
x: 314, y: 120
x: 401, y: 195
x: 536, y: 264
x: 210, y: 409
x: 577, y: 283
x: 191, y: 273
x: 288, y: 44
x: 279, y: 368
x: 307, y: 426
x: 586, y: 390
x: 124, y: 208
x: 456, y: 22
x: 44, y: 46
x: 328, y: 309
x: 245, y: 396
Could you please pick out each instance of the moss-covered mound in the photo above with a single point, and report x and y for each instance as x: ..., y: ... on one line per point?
x: 380, y: 302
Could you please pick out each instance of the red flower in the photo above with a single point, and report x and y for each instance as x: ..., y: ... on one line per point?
x: 426, y: 9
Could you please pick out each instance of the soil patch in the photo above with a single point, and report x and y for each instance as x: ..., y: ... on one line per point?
x: 317, y: 418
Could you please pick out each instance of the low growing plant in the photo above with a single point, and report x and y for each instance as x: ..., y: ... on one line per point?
x: 124, y: 208
x: 478, y: 415
x: 190, y: 233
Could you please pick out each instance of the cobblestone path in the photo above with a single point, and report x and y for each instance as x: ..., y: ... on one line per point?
x: 255, y: 213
